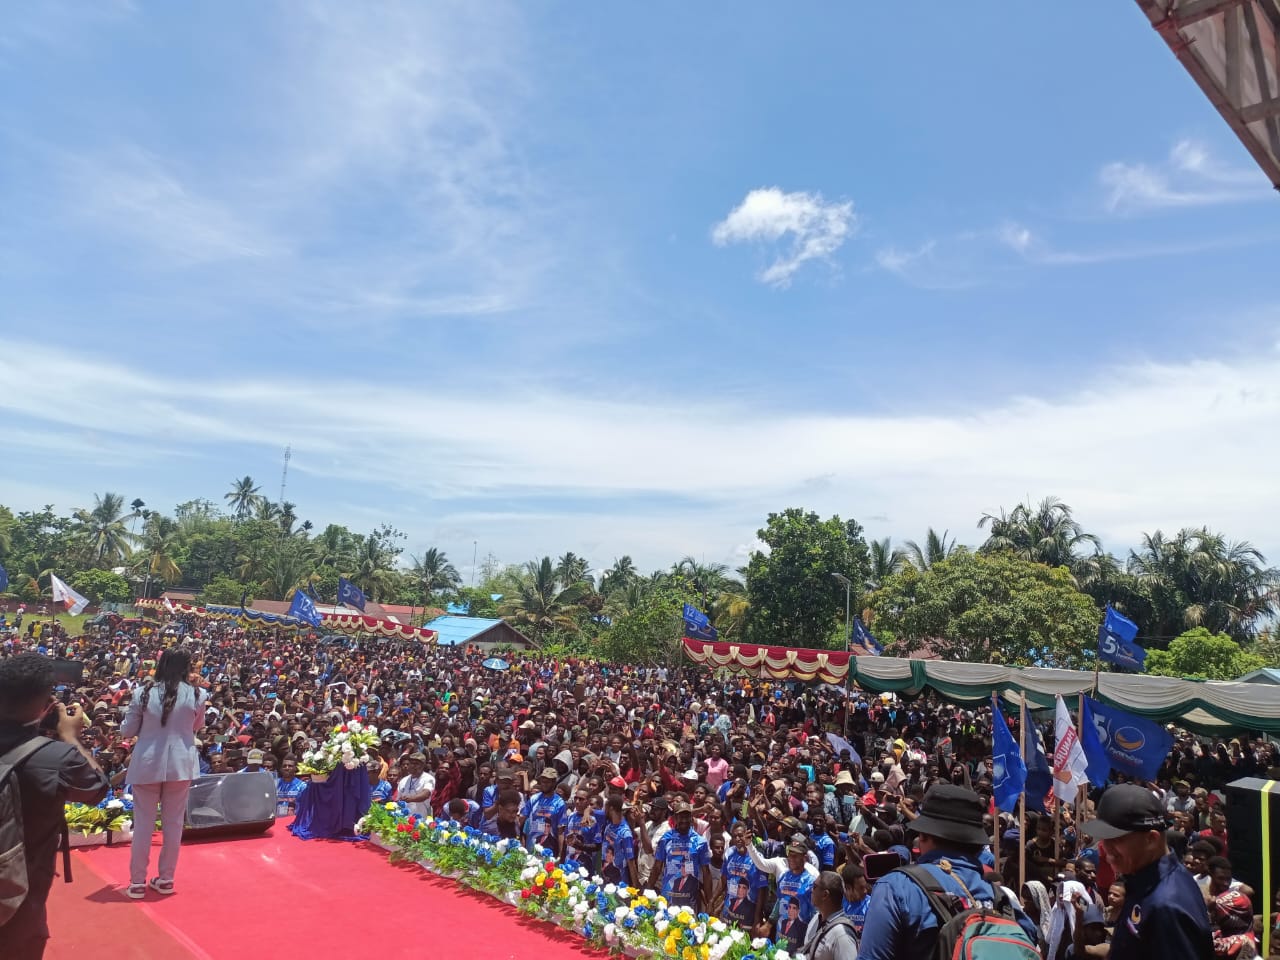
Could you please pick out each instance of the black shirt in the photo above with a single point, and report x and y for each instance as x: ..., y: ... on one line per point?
x: 53, y: 775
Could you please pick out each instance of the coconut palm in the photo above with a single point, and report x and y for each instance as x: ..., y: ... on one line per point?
x: 287, y: 567
x: 432, y: 573
x: 1045, y: 533
x: 1198, y: 578
x: 107, y: 538
x: 621, y: 575
x: 542, y: 602
x: 572, y: 568
x: 243, y: 497
x: 264, y: 509
x: 935, y: 549
x: 886, y: 560
x: 335, y: 547
x: 287, y: 517
x: 372, y: 569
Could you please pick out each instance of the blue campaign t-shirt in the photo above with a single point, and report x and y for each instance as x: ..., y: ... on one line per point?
x: 683, y: 856
x: 617, y: 849
x: 795, y: 908
x: 743, y: 882
x: 585, y: 825
x: 826, y: 850
x: 857, y: 912
x: 542, y: 818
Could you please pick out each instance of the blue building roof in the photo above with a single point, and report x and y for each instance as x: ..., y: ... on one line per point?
x: 454, y: 630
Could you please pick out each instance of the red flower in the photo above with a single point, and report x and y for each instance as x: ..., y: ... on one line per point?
x: 549, y: 882
x: 402, y: 828
x: 526, y: 894
x: 343, y: 728
x: 549, y: 867
x: 416, y: 835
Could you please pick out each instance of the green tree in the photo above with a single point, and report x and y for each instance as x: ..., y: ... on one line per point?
x: 1198, y: 578
x: 886, y: 560
x: 103, y: 527
x: 1045, y: 533
x: 987, y: 608
x: 226, y: 591
x: 650, y: 632
x: 541, y: 603
x: 102, y: 586
x: 159, y: 549
x: 795, y: 600
x: 936, y: 548
x: 479, y: 603
x: 572, y: 568
x: 1201, y: 655
x: 619, y: 576
x: 243, y: 497
x: 432, y: 574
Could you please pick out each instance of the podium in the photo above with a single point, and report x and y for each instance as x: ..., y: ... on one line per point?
x: 329, y: 808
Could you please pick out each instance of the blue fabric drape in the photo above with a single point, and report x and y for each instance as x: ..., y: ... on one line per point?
x: 330, y: 809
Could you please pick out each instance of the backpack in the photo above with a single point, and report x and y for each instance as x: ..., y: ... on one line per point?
x: 973, y: 933
x: 13, y: 851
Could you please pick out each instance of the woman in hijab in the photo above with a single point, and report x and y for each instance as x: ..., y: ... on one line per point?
x: 164, y: 715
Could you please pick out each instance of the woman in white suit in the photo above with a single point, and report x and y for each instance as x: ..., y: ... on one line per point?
x: 164, y: 715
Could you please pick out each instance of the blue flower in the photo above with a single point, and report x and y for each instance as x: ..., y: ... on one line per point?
x: 588, y: 930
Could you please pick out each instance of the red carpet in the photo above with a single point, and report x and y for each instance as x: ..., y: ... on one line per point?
x: 275, y: 895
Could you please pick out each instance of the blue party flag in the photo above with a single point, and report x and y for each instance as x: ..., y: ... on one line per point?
x: 697, y: 625
x: 1009, y: 769
x: 1039, y: 774
x: 1116, y: 739
x: 863, y: 639
x: 304, y: 609
x: 350, y: 594
x: 4, y: 577
x: 1116, y: 641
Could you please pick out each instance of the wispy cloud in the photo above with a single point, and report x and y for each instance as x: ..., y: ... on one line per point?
x: 377, y: 437
x: 813, y: 228
x: 1189, y: 177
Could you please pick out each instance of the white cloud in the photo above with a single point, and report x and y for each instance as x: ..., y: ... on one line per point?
x: 814, y: 227
x: 1189, y: 177
x: 608, y: 472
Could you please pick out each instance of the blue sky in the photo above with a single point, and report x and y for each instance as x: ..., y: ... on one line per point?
x: 623, y: 280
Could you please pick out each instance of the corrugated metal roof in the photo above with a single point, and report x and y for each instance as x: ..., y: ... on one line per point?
x: 1265, y: 675
x: 452, y: 631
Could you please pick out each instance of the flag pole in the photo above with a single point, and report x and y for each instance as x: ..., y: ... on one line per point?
x: 996, y: 717
x: 1081, y: 791
x: 1023, y: 719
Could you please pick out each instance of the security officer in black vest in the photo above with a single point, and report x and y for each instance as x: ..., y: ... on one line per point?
x: 1164, y: 913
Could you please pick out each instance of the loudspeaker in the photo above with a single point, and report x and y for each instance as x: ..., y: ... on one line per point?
x: 230, y: 803
x: 1244, y: 834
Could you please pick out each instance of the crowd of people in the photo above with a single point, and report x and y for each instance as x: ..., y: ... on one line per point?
x: 803, y: 813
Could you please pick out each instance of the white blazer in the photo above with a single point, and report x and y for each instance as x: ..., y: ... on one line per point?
x: 164, y: 753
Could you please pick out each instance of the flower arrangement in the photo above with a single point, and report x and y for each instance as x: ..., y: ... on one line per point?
x: 114, y: 814
x: 613, y: 916
x: 348, y: 746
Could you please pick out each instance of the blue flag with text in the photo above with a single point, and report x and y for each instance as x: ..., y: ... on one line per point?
x: 1116, y: 739
x: 864, y: 640
x: 350, y: 595
x: 1009, y: 770
x: 304, y: 609
x: 697, y: 625
x: 1116, y: 641
x: 1039, y: 773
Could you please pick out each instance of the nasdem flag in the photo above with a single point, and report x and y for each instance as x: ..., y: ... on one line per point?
x: 1039, y: 775
x: 304, y: 608
x: 864, y: 640
x: 1116, y: 641
x: 696, y: 624
x: 1009, y: 771
x: 1116, y: 739
x: 350, y: 595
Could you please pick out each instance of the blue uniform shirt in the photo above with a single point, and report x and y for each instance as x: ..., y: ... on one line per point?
x: 825, y: 847
x: 900, y: 923
x: 1164, y: 915
x: 857, y: 912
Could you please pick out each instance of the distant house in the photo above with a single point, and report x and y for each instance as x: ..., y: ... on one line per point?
x: 455, y: 631
x: 1265, y: 675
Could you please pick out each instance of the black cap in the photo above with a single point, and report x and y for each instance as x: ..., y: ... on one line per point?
x: 1125, y: 808
x: 952, y: 813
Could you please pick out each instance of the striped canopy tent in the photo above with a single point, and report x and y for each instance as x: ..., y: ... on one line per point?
x: 1204, y: 706
x: 340, y: 622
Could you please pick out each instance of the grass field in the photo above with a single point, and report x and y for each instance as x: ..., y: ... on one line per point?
x: 72, y: 623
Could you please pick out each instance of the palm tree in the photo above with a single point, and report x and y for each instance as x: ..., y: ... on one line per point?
x: 542, y: 602
x: 287, y: 518
x: 1198, y: 578
x: 572, y: 568
x: 432, y: 573
x: 936, y: 549
x: 1046, y: 533
x: 286, y: 568
x: 243, y: 497
x: 107, y: 537
x: 886, y: 560
x: 372, y: 568
x: 621, y: 575
x: 264, y: 509
x: 159, y: 547
x: 335, y: 547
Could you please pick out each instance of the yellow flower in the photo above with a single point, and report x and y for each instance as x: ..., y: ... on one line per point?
x: 390, y: 806
x: 540, y: 879
x: 669, y: 947
x: 689, y: 954
x: 563, y: 888
x: 558, y: 874
x: 704, y: 951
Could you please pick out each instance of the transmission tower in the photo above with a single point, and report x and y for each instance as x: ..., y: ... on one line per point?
x: 284, y: 475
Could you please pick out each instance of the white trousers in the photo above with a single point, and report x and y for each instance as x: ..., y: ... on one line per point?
x: 171, y: 800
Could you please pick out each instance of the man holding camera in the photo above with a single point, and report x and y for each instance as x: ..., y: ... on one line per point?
x: 48, y: 773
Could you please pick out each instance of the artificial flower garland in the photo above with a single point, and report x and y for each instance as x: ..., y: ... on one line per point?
x: 612, y: 916
x: 349, y: 745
